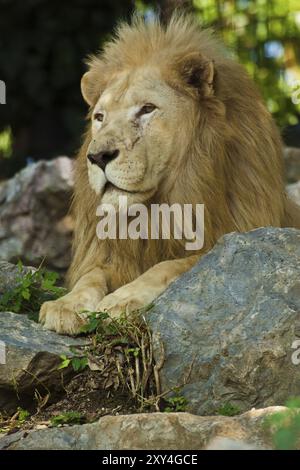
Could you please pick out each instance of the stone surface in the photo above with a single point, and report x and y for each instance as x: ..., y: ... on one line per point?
x: 34, y: 225
x: 292, y: 164
x: 226, y: 327
x: 294, y: 192
x: 9, y: 274
x: 31, y: 359
x: 180, y: 431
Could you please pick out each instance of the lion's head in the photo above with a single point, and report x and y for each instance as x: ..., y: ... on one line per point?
x: 144, y: 92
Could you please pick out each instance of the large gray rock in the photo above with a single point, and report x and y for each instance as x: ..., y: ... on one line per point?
x: 157, y: 431
x: 29, y: 360
x: 292, y: 164
x: 227, y: 327
x: 294, y: 192
x: 34, y: 225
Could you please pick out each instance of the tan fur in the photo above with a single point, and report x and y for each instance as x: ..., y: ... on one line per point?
x: 226, y: 153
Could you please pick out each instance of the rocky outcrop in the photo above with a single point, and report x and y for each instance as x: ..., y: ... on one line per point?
x: 292, y: 164
x: 294, y: 192
x: 226, y: 329
x: 29, y: 360
x: 180, y: 431
x: 34, y: 225
x: 227, y: 333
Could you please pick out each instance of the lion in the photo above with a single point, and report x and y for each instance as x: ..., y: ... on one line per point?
x: 173, y: 118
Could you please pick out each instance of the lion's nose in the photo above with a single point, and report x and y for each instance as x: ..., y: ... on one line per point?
x: 103, y: 158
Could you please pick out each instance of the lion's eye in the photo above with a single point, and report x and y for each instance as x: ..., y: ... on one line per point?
x: 146, y: 109
x: 99, y: 117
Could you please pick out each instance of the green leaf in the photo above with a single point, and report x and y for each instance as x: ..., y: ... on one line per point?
x: 20, y: 266
x: 79, y: 363
x: 26, y: 294
x: 65, y: 362
x: 70, y: 417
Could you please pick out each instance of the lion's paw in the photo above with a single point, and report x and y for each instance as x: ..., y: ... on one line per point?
x: 120, y: 302
x: 62, y: 316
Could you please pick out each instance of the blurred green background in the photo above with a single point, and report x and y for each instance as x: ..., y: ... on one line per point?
x: 43, y: 44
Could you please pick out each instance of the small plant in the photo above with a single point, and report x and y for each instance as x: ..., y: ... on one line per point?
x: 284, y: 426
x: 14, y: 422
x: 96, y: 323
x: 32, y: 290
x: 70, y: 417
x: 229, y: 409
x: 121, y: 351
x: 78, y: 363
x: 176, y: 403
x: 23, y: 415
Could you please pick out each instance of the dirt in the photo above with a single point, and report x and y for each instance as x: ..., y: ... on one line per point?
x: 84, y: 395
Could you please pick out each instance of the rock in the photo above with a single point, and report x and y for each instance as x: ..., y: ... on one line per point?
x: 179, y: 431
x: 225, y: 329
x: 34, y: 224
x: 294, y: 192
x: 30, y: 360
x: 9, y: 274
x: 292, y: 164
x: 224, y: 443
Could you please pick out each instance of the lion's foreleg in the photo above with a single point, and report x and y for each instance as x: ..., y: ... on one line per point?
x: 147, y: 287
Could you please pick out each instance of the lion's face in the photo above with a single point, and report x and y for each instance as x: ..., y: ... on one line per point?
x: 137, y: 128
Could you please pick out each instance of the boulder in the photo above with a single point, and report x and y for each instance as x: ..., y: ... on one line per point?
x: 159, y: 431
x: 29, y: 360
x: 226, y: 331
x: 34, y: 220
x: 292, y: 164
x: 294, y: 192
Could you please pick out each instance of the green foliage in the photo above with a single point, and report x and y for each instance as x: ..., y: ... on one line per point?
x: 32, y: 289
x: 175, y: 403
x: 6, y: 143
x: 105, y: 327
x: 78, y: 363
x: 265, y: 36
x: 121, y: 350
x: 284, y: 426
x: 134, y: 351
x: 229, y: 409
x: 22, y: 415
x: 70, y: 417
x: 96, y: 323
x: 65, y: 362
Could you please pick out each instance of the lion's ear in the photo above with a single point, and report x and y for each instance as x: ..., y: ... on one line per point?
x: 198, y: 71
x: 88, y: 88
